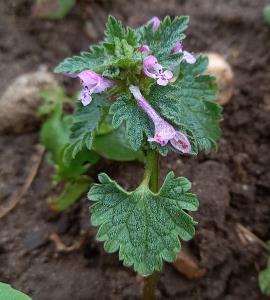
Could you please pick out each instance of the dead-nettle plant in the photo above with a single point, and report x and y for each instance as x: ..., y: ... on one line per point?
x: 146, y: 82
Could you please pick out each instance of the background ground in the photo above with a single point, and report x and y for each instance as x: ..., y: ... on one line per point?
x: 233, y: 185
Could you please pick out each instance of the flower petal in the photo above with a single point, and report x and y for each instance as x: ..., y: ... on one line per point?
x: 189, y: 58
x: 168, y: 74
x: 181, y: 142
x: 157, y: 139
x: 162, y: 81
x: 149, y: 61
x: 151, y: 67
x: 89, y: 77
x: 85, y: 97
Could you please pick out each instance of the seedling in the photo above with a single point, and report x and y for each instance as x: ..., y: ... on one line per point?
x: 145, y: 82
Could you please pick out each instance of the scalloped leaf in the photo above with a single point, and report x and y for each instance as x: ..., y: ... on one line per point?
x: 145, y: 227
x: 192, y: 104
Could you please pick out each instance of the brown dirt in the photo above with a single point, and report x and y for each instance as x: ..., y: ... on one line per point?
x: 233, y: 184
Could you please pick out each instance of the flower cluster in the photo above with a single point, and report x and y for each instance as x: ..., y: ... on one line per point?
x: 164, y: 132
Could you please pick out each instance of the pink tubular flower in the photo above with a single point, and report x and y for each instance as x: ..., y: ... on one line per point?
x: 155, y: 21
x: 164, y: 132
x: 154, y: 70
x: 187, y: 56
x: 92, y: 83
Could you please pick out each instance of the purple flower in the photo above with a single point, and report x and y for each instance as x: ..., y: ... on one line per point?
x: 187, y: 56
x: 155, y: 21
x: 164, y: 132
x: 154, y: 70
x: 92, y: 83
x: 144, y: 49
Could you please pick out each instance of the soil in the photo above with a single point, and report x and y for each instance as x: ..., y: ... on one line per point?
x: 233, y: 184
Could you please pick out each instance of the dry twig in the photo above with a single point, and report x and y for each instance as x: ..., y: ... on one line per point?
x: 61, y: 247
x: 246, y: 236
x: 17, y: 195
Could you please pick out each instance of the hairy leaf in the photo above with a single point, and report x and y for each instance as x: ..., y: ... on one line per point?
x: 115, y: 29
x: 118, y: 51
x: 145, y: 227
x: 8, y: 293
x: 190, y: 104
x: 137, y: 122
x: 85, y: 121
x: 93, y: 60
x: 163, y: 40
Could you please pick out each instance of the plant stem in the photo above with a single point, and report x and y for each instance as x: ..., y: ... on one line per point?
x: 150, y: 286
x: 152, y: 175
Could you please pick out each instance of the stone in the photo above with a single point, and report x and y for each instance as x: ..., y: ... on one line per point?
x: 20, y: 101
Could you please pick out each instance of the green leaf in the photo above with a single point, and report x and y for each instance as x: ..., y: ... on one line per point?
x: 145, y: 227
x: 115, y: 29
x: 119, y: 148
x: 93, y: 60
x: 189, y: 103
x: 118, y: 50
x: 50, y: 100
x: 54, y: 135
x: 264, y: 279
x: 162, y: 41
x: 8, y: 293
x: 69, y: 168
x: 85, y: 121
x: 137, y: 123
x: 111, y: 72
x: 54, y: 132
x: 266, y: 14
x: 72, y: 191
